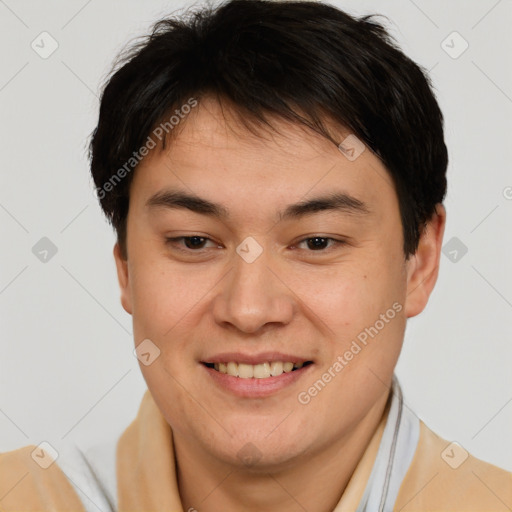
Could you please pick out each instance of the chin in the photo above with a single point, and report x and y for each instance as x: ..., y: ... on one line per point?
x: 255, y: 460
x: 263, y: 451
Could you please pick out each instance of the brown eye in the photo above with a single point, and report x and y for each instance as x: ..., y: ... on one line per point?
x: 194, y: 242
x: 317, y: 243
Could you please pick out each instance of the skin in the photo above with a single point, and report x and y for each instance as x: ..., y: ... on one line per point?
x: 194, y: 303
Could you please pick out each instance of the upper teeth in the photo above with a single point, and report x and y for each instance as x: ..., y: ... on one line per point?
x: 257, y: 371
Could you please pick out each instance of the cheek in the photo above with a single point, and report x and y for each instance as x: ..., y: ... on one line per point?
x: 170, y: 307
x: 352, y: 294
x: 162, y: 295
x: 151, y: 297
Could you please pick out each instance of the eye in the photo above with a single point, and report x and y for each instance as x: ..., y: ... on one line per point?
x: 196, y: 243
x: 193, y: 243
x: 319, y: 243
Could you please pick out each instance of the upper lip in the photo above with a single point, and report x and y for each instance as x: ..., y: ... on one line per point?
x: 262, y: 357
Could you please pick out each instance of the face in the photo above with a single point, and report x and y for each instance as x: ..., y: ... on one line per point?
x: 253, y: 254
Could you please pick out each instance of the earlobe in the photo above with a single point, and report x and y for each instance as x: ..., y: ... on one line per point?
x: 423, y: 266
x: 123, y: 278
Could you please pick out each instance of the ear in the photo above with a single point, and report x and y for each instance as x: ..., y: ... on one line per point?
x: 123, y: 278
x: 423, y: 266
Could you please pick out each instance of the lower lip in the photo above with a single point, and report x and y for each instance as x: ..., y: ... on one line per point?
x: 256, y: 388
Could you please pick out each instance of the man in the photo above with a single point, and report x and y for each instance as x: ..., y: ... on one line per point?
x: 275, y: 174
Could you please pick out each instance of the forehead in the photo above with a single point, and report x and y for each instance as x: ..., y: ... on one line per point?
x: 215, y: 127
x: 213, y: 152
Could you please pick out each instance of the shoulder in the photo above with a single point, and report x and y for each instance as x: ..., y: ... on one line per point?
x: 35, y: 478
x: 443, y: 476
x: 68, y: 478
x: 31, y: 480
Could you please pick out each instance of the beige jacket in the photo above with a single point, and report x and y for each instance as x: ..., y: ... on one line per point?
x: 419, y: 471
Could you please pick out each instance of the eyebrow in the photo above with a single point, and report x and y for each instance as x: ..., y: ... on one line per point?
x: 336, y: 201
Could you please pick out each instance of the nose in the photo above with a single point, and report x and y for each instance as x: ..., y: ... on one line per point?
x: 253, y: 296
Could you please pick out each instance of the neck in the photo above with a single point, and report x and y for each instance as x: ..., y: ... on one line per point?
x: 313, y: 482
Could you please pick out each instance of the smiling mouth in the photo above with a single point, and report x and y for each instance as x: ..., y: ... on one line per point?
x: 257, y: 371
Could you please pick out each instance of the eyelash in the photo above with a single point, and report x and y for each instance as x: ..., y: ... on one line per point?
x: 175, y: 240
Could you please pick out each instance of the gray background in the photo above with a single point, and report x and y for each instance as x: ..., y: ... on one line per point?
x: 67, y: 371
